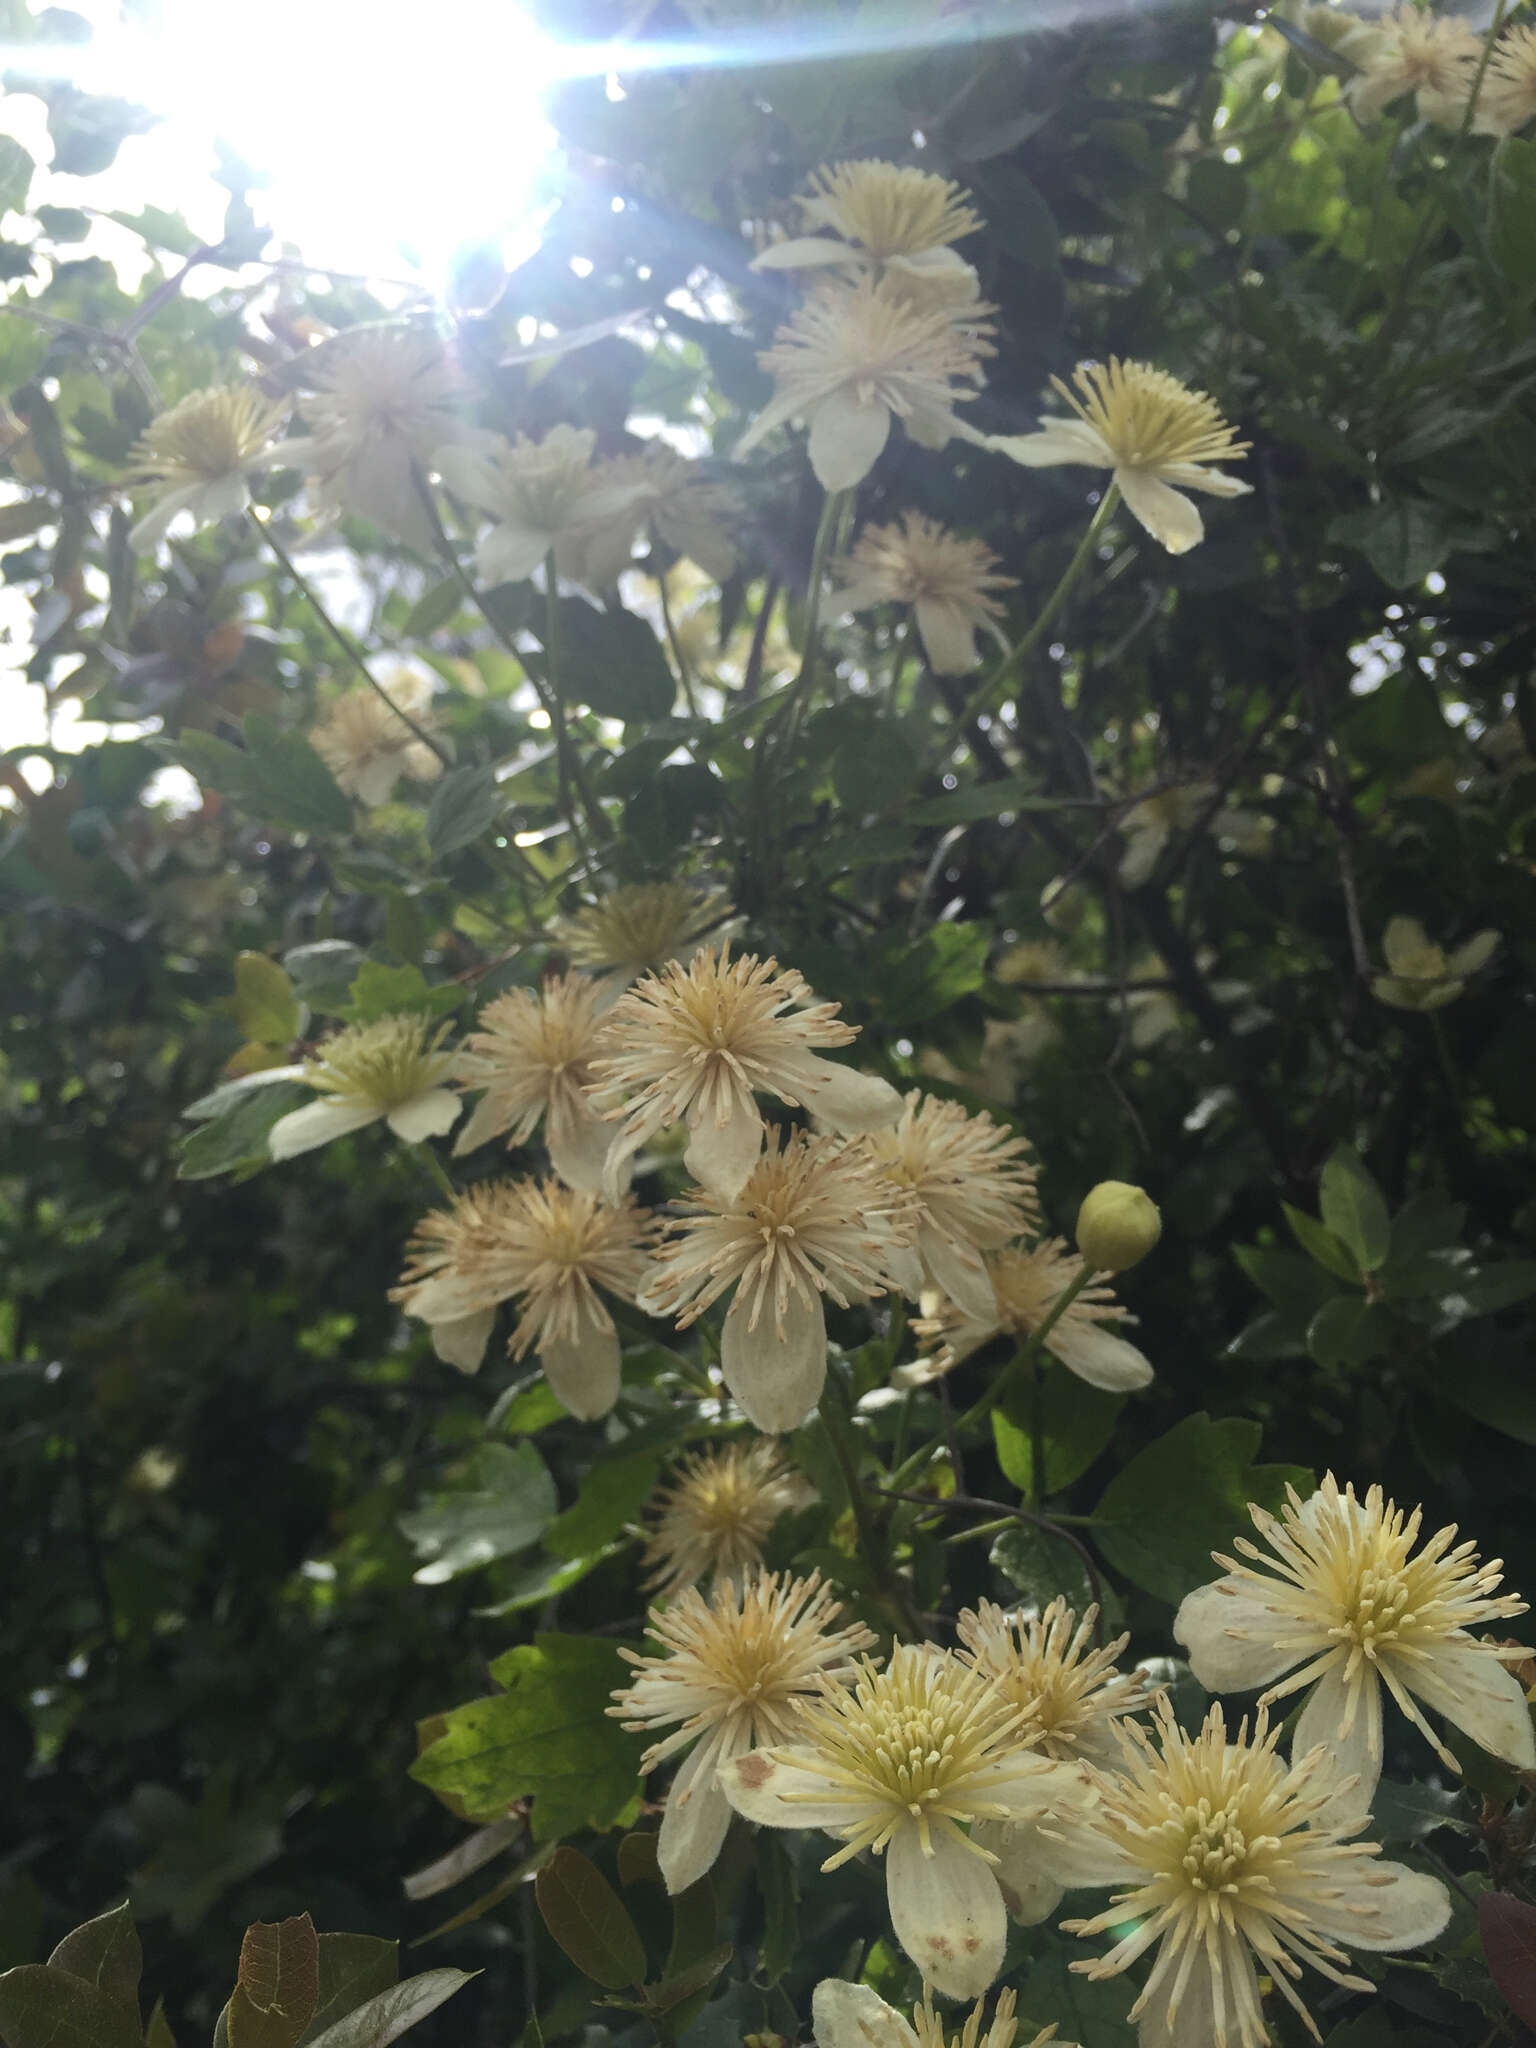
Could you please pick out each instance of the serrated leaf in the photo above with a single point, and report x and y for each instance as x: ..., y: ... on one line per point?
x: 1355, y: 1210
x: 381, y: 991
x: 296, y: 784
x: 465, y: 804
x: 266, y: 1008
x: 589, y: 1921
x: 323, y: 973
x: 508, y: 1502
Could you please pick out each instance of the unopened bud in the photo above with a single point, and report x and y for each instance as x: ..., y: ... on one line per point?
x: 1117, y: 1226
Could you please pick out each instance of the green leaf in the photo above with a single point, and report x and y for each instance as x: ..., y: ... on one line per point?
x: 1348, y: 1331
x: 158, y: 2033
x: 1076, y: 1422
x: 237, y: 1136
x: 778, y: 1887
x: 1218, y: 192
x: 41, y: 2007
x: 1402, y: 538
x: 916, y: 981
x: 277, y: 1986
x: 1041, y: 1563
x: 1355, y: 1210
x: 547, y: 1737
x: 663, y: 812
x: 611, y: 1496
x: 465, y: 803
x: 1318, y: 1242
x: 105, y: 1951
x: 298, y: 787
x: 588, y: 1919
x: 613, y: 662
x: 433, y: 609
x: 687, y: 1983
x: 1184, y: 1496
x: 1495, y: 1287
x: 386, y: 2016
x: 265, y: 1006
x: 536, y: 1584
x: 1292, y: 1283
x: 1425, y: 1224
x: 352, y: 1969
x: 1407, y: 1813
x: 323, y: 973
x: 982, y: 800
x: 380, y: 991
x: 1514, y: 248
x: 506, y: 1507
x: 16, y: 168
x: 1488, y: 1375
x: 88, y: 129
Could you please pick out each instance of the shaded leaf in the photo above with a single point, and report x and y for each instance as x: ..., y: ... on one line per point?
x: 1508, y: 1928
x: 41, y: 2007
x: 506, y: 1506
x: 1354, y: 1209
x: 589, y: 1920
x: 386, y: 2016
x: 277, y: 1986
x: 105, y: 1951
x: 352, y: 1969
x: 465, y: 804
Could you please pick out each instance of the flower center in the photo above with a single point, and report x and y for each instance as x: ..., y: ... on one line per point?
x: 1215, y: 1848
x: 1379, y: 1610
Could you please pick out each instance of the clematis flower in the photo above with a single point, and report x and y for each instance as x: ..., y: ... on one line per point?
x: 367, y: 746
x: 1026, y: 1285
x: 733, y: 1675
x: 1158, y: 437
x: 204, y: 451
x: 905, y: 1762
x: 893, y: 216
x: 1433, y: 56
x: 1229, y: 1865
x: 1148, y: 827
x: 1342, y: 1600
x: 543, y: 496
x: 394, y: 1070
x: 971, y: 1189
x: 692, y: 1043
x: 847, y: 2015
x: 856, y: 356
x: 946, y: 578
x: 1422, y: 977
x: 672, y: 500
x: 552, y: 1247
x: 637, y: 929
x: 1507, y: 102
x: 532, y: 1054
x: 709, y: 1519
x: 815, y: 1217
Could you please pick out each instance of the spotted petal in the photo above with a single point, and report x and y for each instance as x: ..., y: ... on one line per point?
x: 777, y: 1791
x: 847, y: 2015
x: 946, y: 1910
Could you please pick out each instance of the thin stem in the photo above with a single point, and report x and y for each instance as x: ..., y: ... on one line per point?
x: 1036, y: 1434
x: 678, y: 660
x: 1005, y: 1516
x: 567, y: 760
x: 1024, y: 1358
x: 344, y: 640
x: 835, y: 1415
x: 436, y: 1172
x: 800, y: 689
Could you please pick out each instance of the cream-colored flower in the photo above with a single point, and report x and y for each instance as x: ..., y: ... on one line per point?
x: 384, y: 401
x: 365, y: 743
x: 532, y: 1054
x: 693, y: 1043
x: 553, y: 1247
x: 1507, y: 102
x: 892, y: 215
x: 856, y: 356
x: 815, y: 1217
x: 1076, y: 1700
x: 544, y: 497
x: 671, y: 499
x: 905, y: 1762
x: 972, y: 1190
x: 1232, y: 1864
x: 1158, y: 437
x: 709, y: 1519
x: 204, y: 450
x: 1421, y: 976
x: 1433, y: 56
x: 1343, y: 1601
x: 394, y: 1069
x: 1027, y: 1282
x: 946, y: 578
x: 637, y: 929
x: 1149, y: 826
x: 845, y: 2015
x: 734, y: 1674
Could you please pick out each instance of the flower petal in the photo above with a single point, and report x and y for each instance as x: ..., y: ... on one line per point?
x: 462, y: 1340
x: 846, y: 439
x: 1381, y: 1906
x: 1351, y: 1760
x: 583, y: 1375
x: 847, y: 2015
x: 1230, y: 1637
x: 427, y: 1115
x: 510, y: 553
x: 1057, y: 441
x: 946, y: 1910
x: 697, y: 1816
x: 775, y: 1373
x: 578, y: 1142
x: 301, y: 1130
x: 948, y: 636
x: 1194, y: 476
x: 1029, y: 1891
x: 487, y: 1120
x: 721, y: 1155
x: 776, y: 1791
x: 1477, y: 1693
x: 1166, y: 514
x: 804, y: 252
x: 1099, y: 1358
x: 849, y: 1101
x: 959, y: 1272
x: 1476, y: 953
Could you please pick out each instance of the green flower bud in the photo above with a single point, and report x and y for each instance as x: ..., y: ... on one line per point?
x: 1117, y: 1226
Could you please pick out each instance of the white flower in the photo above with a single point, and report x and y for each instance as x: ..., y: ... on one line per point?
x: 672, y: 499
x: 542, y: 496
x: 708, y: 1520
x: 1026, y: 1284
x: 1158, y: 437
x: 847, y: 2015
x: 384, y: 401
x: 972, y: 1191
x: 856, y: 356
x: 1076, y: 1699
x: 1433, y: 56
x: 637, y: 928
x: 1507, y: 101
x: 893, y: 216
x: 204, y: 450
x: 550, y: 1245
x: 814, y: 1218
x: 904, y: 1762
x: 735, y: 1671
x: 946, y: 578
x: 693, y: 1043
x: 1231, y: 1865
x: 532, y: 1053
x: 1148, y: 827
x: 1344, y: 1602
x: 367, y: 746
x: 394, y: 1069
x: 1422, y: 977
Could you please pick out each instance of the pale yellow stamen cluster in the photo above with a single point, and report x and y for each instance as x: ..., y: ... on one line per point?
x: 1507, y: 101
x: 888, y: 209
x: 207, y: 436
x: 367, y: 744
x: 383, y: 1064
x: 639, y: 925
x: 532, y: 1054
x: 382, y: 384
x: 713, y: 1513
x: 1048, y: 1664
x: 870, y: 337
x: 1147, y: 418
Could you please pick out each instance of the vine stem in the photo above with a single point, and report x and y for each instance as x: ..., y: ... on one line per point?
x: 669, y: 625
x: 1005, y: 1516
x: 982, y: 697
x: 344, y: 640
x: 436, y: 1172
x: 835, y: 1414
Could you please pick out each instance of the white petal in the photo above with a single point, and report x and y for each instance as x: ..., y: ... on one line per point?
x: 1143, y: 844
x: 776, y: 1376
x: 427, y: 1115
x: 583, y: 1376
x: 1099, y: 1358
x: 1166, y: 514
x: 946, y: 1911
x: 301, y: 1130
x: 578, y: 1142
x: 1073, y: 1852
x: 959, y: 1272
x: 720, y: 1156
x: 510, y: 554
x: 467, y: 473
x: 1230, y: 1637
x: 804, y: 252
x: 1194, y: 476
x: 148, y: 533
x: 846, y: 439
x: 905, y: 1268
x: 1476, y: 953
x: 448, y: 1298
x: 847, y: 2015
x: 1351, y: 1753
x: 849, y: 1101
x: 462, y: 1341
x: 949, y: 636
x: 1057, y: 441
x: 778, y: 1792
x: 696, y: 1819
x: 1029, y: 1891
x: 1194, y: 2024
x: 487, y: 1120
x: 1477, y: 1693
x: 1383, y: 1906
x: 775, y: 413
